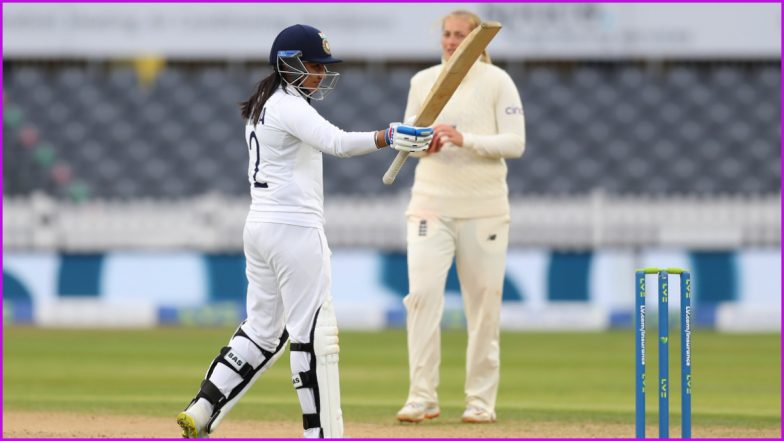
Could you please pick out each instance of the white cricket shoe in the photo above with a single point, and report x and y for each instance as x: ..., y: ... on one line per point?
x: 414, y: 412
x: 193, y: 420
x: 475, y: 414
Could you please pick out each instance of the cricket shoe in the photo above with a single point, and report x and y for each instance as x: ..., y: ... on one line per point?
x: 475, y: 414
x: 414, y: 412
x: 193, y: 420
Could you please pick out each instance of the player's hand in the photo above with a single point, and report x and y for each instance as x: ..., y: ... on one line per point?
x: 408, y: 138
x: 444, y: 134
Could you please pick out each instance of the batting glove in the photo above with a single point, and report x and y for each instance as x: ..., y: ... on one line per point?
x: 408, y: 138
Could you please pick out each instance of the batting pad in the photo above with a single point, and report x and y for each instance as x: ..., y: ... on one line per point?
x: 247, y: 381
x: 326, y: 348
x: 315, y: 376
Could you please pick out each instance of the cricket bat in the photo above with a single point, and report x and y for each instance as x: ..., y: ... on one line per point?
x: 452, y: 74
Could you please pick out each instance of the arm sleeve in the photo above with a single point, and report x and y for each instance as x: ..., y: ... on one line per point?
x: 414, y: 102
x: 510, y: 140
x: 413, y: 106
x: 304, y: 122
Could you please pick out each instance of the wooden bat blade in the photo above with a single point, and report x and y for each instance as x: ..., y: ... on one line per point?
x: 455, y: 70
x: 447, y: 82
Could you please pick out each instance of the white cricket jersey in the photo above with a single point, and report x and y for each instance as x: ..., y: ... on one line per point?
x: 469, y: 181
x: 285, y: 165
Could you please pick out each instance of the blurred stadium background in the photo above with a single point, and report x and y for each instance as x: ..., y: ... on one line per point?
x: 654, y: 139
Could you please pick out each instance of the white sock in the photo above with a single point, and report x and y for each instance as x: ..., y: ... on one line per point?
x: 313, y: 433
x: 201, y: 411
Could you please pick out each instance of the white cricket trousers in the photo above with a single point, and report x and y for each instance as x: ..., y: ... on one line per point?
x: 479, y: 248
x: 289, y: 278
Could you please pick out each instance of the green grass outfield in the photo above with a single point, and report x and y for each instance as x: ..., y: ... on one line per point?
x: 567, y: 379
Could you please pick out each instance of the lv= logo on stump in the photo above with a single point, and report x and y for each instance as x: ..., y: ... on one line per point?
x: 664, y: 350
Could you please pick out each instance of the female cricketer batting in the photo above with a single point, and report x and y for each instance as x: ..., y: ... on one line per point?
x: 287, y: 256
x: 459, y: 209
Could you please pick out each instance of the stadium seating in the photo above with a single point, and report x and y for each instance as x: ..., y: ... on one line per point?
x: 623, y: 128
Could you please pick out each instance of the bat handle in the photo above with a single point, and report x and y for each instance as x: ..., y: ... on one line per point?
x: 394, y: 168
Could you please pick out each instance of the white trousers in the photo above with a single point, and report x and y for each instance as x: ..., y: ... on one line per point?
x: 289, y: 278
x: 479, y: 249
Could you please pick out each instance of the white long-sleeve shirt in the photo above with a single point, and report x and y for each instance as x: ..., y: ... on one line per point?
x: 285, y: 164
x: 469, y: 181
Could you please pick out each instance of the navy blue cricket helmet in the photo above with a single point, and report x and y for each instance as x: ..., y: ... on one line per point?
x: 311, y: 42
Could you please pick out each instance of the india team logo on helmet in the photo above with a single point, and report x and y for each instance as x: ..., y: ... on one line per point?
x: 325, y: 43
x: 310, y: 41
x: 298, y: 44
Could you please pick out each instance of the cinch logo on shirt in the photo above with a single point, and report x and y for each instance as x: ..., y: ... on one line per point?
x: 511, y: 110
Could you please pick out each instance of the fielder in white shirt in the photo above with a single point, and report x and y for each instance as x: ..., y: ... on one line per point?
x: 287, y: 256
x: 459, y: 210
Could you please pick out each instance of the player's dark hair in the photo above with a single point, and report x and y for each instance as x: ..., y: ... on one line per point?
x: 251, y: 109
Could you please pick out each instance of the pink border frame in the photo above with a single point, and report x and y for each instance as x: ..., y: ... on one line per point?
x: 781, y: 395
